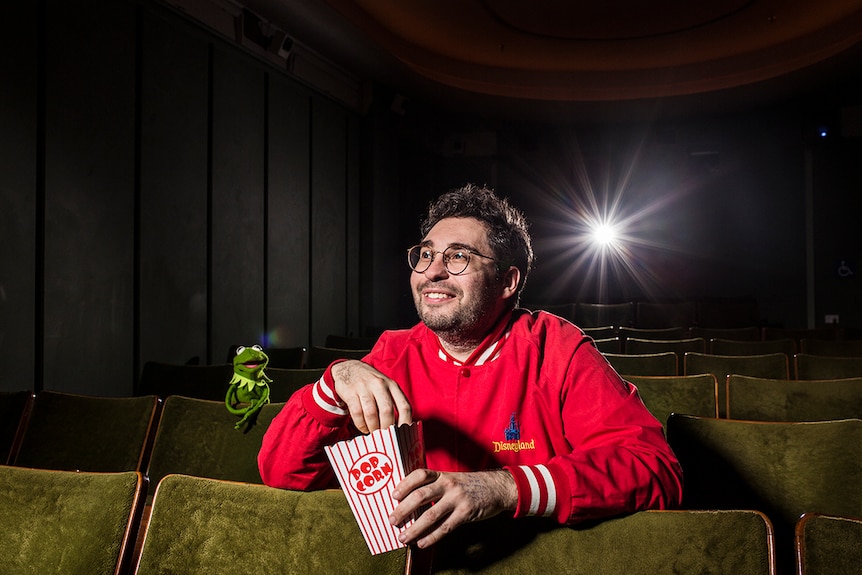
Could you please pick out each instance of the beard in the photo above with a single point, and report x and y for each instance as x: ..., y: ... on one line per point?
x: 465, y: 324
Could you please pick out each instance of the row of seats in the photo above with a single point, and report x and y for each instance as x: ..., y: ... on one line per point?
x: 749, y: 488
x: 208, y: 449
x: 633, y: 340
x: 710, y: 313
x: 783, y: 469
x: 289, y: 368
x: 743, y: 333
x: 613, y: 339
x: 146, y: 434
x: 190, y: 435
x: 66, y: 522
x: 196, y: 437
x: 315, y: 356
x: 750, y: 398
x: 212, y: 381
x: 775, y: 365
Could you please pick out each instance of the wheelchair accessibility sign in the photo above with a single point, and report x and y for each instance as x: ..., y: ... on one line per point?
x: 845, y: 269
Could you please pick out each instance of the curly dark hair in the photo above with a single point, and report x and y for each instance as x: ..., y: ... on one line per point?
x: 508, y: 233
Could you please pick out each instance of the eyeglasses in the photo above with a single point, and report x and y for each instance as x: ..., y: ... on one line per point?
x: 455, y: 259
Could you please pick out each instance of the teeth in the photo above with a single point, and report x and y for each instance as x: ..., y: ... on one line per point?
x: 437, y: 296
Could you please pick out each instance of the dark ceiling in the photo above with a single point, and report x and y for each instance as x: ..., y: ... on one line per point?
x: 577, y: 58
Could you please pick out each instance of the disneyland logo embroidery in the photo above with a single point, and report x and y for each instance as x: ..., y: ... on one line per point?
x: 371, y: 473
x: 513, y: 441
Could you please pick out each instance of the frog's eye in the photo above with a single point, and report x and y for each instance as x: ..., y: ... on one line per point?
x: 257, y: 347
x: 240, y: 349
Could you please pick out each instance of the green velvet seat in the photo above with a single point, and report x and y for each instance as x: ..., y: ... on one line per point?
x: 281, y: 357
x: 609, y: 344
x: 13, y: 407
x: 650, y: 314
x: 600, y: 332
x: 285, y: 357
x: 827, y: 367
x: 764, y: 399
x: 644, y: 364
x: 67, y: 522
x: 201, y: 381
x: 210, y: 527
x: 772, y: 365
x: 677, y: 332
x: 286, y: 381
x: 636, y: 345
x: 690, y: 394
x: 197, y: 437
x: 782, y: 469
x: 728, y: 313
x: 321, y: 356
x: 721, y: 346
x: 645, y: 543
x: 775, y: 365
x: 749, y: 333
x: 563, y: 310
x: 87, y: 433
x: 840, y: 348
x: 828, y: 545
x: 589, y: 314
x: 349, y: 342
x: 798, y: 334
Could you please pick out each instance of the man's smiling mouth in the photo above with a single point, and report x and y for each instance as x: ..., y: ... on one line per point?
x: 438, y: 296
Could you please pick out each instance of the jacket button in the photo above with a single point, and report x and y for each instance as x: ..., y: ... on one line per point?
x: 465, y: 372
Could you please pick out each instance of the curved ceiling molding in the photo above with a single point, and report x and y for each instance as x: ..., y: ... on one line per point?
x: 568, y: 50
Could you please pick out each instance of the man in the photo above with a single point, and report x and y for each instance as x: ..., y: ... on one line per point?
x: 521, y: 414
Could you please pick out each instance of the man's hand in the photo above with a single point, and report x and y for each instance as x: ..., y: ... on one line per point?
x: 457, y: 497
x: 373, y: 400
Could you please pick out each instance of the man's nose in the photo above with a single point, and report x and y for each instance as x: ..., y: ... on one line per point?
x: 437, y: 269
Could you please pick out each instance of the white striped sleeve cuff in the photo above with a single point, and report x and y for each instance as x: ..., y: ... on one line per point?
x: 325, y: 398
x: 537, y: 491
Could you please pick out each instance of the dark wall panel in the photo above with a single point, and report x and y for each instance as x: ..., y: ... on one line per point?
x: 329, y: 247
x: 837, y: 182
x: 357, y: 259
x: 173, y: 192
x: 89, y: 179
x: 383, y: 284
x: 237, y: 220
x: 288, y: 204
x: 18, y: 153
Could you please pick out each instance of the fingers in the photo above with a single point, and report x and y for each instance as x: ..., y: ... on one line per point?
x: 417, y: 491
x: 373, y: 400
x: 433, y: 525
x: 457, y: 498
x: 405, y: 411
x: 415, y: 479
x: 436, y: 521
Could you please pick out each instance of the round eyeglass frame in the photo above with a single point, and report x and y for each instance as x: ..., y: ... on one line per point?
x: 421, y: 266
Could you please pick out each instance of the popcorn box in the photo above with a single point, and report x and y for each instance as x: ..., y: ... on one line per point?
x: 369, y: 467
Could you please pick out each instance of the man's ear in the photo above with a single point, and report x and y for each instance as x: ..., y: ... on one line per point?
x: 511, y: 279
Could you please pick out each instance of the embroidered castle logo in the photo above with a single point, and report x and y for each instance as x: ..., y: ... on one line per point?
x: 513, y: 441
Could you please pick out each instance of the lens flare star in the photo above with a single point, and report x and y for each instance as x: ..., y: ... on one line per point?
x: 614, y: 234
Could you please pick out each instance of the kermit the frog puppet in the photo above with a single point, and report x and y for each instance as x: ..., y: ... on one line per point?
x: 249, y: 387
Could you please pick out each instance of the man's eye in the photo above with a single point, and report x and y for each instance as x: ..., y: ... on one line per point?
x: 458, y: 256
x: 426, y: 255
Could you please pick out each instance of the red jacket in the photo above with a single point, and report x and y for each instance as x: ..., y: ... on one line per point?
x: 536, y: 398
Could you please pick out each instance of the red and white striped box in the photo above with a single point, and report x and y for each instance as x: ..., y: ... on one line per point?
x: 368, y: 468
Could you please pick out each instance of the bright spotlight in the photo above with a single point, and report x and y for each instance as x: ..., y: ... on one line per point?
x: 604, y: 235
